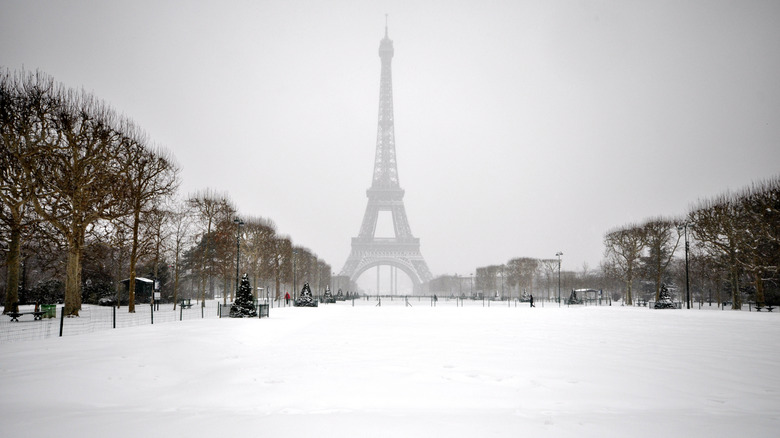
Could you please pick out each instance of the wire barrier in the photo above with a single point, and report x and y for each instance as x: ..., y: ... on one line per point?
x: 93, y: 318
x: 30, y: 326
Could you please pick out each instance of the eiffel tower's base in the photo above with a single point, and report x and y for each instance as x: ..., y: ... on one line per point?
x: 406, y: 257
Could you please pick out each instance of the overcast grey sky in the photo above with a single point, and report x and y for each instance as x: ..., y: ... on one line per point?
x: 523, y: 128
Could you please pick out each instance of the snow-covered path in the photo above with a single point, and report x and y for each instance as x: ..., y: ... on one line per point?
x: 397, y: 371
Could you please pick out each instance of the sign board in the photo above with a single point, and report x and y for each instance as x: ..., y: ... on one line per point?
x: 157, y: 296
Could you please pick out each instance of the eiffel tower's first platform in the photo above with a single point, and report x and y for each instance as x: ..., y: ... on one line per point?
x: 385, y: 194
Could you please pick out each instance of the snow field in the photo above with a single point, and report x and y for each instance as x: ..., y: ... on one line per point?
x: 397, y: 371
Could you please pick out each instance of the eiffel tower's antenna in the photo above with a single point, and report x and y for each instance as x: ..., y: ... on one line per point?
x: 385, y: 25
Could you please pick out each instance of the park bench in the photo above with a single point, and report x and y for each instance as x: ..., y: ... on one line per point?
x: 768, y: 308
x: 37, y: 315
x: 641, y: 303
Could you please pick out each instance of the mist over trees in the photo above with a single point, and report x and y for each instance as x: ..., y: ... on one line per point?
x: 733, y: 254
x: 88, y: 200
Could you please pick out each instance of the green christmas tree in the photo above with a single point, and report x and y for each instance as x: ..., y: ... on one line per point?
x: 243, y: 306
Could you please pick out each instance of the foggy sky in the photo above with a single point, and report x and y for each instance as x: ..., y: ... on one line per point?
x: 522, y: 128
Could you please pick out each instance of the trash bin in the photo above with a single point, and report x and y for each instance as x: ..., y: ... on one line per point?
x: 263, y: 310
x: 50, y: 310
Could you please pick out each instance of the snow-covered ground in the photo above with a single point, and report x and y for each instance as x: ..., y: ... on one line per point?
x: 397, y: 371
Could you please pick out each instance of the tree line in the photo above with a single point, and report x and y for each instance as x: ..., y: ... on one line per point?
x: 519, y: 278
x: 731, y: 244
x: 87, y: 200
x: 725, y: 249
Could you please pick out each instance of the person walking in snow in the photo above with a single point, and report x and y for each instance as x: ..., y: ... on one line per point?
x: 287, y: 299
x: 532, y: 300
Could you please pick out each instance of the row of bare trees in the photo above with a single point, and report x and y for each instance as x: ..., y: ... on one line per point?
x: 725, y: 249
x: 731, y: 241
x: 517, y: 278
x: 208, y: 238
x: 73, y: 165
x: 88, y: 198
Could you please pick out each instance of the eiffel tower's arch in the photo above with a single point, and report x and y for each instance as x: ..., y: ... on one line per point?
x: 385, y: 194
x: 407, y: 268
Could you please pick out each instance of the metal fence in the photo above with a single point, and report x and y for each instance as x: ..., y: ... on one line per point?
x: 95, y: 318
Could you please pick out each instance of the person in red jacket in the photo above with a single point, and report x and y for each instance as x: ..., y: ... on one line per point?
x: 287, y: 299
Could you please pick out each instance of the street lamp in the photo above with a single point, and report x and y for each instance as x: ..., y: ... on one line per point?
x: 502, y: 282
x: 471, y: 286
x: 559, y: 254
x: 295, y: 288
x: 238, y: 223
x: 687, y: 281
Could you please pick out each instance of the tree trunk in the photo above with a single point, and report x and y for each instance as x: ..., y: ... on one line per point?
x: 176, y: 280
x: 73, y: 279
x: 133, y: 260
x: 760, y: 300
x: 12, y: 261
x: 736, y: 296
x: 278, y: 284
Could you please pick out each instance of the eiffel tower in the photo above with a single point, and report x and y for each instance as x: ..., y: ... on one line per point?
x: 385, y: 194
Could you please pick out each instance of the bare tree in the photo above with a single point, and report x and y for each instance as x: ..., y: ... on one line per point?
x: 521, y: 272
x: 76, y: 175
x: 661, y: 240
x: 717, y: 225
x: 22, y: 100
x: 624, y: 248
x: 179, y: 225
x: 282, y: 263
x: 760, y: 255
x: 151, y: 175
x: 209, y: 207
x: 486, y: 280
x: 257, y: 249
x: 549, y: 267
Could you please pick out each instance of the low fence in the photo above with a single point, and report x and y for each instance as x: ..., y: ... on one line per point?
x: 96, y: 318
x: 435, y: 301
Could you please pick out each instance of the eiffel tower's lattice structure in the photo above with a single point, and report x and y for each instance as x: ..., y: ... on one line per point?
x: 385, y: 194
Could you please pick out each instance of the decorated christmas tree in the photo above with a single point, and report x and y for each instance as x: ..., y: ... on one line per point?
x: 664, y: 299
x: 328, y: 297
x: 243, y: 306
x: 306, y: 299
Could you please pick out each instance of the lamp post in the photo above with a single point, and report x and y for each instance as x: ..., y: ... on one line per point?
x: 559, y: 254
x: 238, y: 223
x: 684, y: 228
x: 502, y: 282
x: 471, y: 286
x: 295, y: 288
